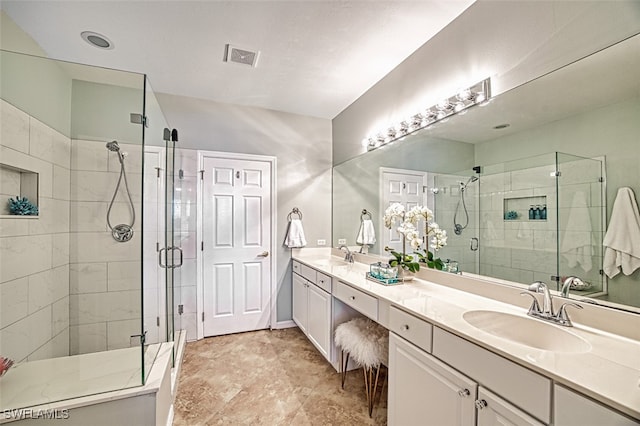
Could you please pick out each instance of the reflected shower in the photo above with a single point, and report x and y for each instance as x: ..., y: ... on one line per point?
x: 457, y: 227
x: 122, y: 232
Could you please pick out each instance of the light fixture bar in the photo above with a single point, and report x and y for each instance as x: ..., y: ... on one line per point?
x: 466, y: 98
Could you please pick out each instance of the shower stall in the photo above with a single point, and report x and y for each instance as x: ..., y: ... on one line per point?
x: 537, y: 218
x: 86, y: 284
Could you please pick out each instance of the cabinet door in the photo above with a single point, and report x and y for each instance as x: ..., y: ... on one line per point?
x: 300, y: 301
x: 423, y: 390
x: 572, y: 409
x: 319, y: 319
x: 495, y: 411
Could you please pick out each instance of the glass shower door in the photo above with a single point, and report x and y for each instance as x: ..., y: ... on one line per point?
x: 581, y: 212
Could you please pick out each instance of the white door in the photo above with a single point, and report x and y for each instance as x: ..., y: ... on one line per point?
x: 423, y: 390
x: 236, y: 225
x: 404, y: 187
x: 319, y: 318
x: 495, y: 411
x: 300, y: 304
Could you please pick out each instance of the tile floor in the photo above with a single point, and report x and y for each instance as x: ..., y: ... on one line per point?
x: 268, y: 378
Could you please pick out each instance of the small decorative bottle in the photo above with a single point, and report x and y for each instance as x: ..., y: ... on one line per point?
x: 532, y: 213
x: 536, y: 214
x: 543, y: 212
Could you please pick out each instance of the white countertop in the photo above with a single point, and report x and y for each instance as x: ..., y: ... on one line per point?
x: 609, y: 372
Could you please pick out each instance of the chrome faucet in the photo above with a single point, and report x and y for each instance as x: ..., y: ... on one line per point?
x: 566, y: 285
x: 546, y: 312
x: 348, y: 255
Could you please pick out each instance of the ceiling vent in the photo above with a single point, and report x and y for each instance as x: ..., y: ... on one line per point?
x: 241, y: 56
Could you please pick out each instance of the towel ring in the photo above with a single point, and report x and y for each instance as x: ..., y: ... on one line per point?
x: 295, y: 210
x: 364, y: 214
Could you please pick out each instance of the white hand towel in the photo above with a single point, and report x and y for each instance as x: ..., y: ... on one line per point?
x: 367, y: 233
x: 577, y: 240
x: 295, y: 234
x: 622, y: 241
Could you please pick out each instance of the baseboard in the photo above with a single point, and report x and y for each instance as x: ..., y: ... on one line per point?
x: 284, y: 324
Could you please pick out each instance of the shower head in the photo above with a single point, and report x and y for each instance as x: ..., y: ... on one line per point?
x: 473, y: 179
x: 113, y: 146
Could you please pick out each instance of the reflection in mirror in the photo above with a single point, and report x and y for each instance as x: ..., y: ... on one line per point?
x: 543, y: 144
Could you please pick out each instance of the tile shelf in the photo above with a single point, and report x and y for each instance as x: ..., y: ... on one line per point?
x: 27, y: 182
x: 521, y: 205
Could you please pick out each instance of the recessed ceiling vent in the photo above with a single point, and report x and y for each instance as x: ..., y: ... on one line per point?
x: 240, y: 56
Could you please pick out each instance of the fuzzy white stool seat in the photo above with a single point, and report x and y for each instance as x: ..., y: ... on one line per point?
x: 368, y: 344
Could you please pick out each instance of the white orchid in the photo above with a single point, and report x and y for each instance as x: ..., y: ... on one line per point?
x: 409, y: 229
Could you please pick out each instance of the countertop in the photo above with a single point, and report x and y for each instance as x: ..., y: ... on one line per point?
x: 609, y: 372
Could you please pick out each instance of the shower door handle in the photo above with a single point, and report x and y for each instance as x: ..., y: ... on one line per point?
x: 173, y: 266
x: 474, y: 244
x: 160, y: 258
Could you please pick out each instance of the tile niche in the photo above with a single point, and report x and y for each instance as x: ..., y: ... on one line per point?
x: 17, y: 182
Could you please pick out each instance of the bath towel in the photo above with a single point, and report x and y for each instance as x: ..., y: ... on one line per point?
x: 622, y: 240
x: 577, y: 240
x: 367, y: 233
x: 295, y: 234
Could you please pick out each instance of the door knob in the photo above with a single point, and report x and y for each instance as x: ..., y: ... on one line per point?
x: 264, y: 254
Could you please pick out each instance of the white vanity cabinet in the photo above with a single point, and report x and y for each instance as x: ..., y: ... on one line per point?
x: 495, y: 411
x: 425, y: 391
x: 572, y: 409
x: 312, y: 306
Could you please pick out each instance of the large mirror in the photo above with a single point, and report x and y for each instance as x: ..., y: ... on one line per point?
x: 552, y: 155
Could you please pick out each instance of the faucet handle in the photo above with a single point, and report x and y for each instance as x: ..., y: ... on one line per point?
x: 561, y: 317
x: 535, y: 307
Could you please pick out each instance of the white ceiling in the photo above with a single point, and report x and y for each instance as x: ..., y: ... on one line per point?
x: 316, y: 56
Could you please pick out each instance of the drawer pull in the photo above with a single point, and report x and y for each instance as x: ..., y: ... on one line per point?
x: 464, y: 393
x: 481, y: 404
x: 322, y: 281
x: 352, y: 298
x: 405, y: 327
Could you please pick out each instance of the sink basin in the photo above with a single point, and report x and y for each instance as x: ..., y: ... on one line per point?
x: 329, y: 262
x: 527, y: 331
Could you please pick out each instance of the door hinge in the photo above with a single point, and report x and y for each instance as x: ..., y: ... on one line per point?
x: 139, y: 119
x: 157, y: 247
x: 557, y: 173
x: 203, y: 317
x: 158, y: 169
x: 201, y: 245
x: 600, y: 179
x: 201, y: 174
x: 158, y: 321
x: 180, y: 309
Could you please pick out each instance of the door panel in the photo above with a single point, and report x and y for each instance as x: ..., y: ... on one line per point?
x: 236, y: 239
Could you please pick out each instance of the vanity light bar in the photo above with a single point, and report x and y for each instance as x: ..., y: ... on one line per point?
x: 466, y: 98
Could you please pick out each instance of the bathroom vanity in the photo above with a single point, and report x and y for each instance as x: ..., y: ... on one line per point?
x: 463, y: 351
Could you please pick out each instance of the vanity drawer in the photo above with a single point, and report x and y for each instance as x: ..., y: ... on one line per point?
x: 308, y: 273
x: 358, y: 300
x: 413, y: 329
x: 323, y: 281
x: 297, y: 267
x: 528, y: 390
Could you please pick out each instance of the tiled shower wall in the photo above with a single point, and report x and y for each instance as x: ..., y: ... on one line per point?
x: 524, y: 250
x: 34, y: 252
x: 105, y: 299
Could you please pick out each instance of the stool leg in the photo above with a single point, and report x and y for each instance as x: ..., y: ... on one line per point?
x: 375, y: 390
x: 343, y: 363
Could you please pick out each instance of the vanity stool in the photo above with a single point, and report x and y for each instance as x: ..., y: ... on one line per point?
x: 367, y: 343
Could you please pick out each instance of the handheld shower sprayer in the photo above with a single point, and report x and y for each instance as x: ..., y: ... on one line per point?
x: 122, y: 232
x: 457, y: 227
